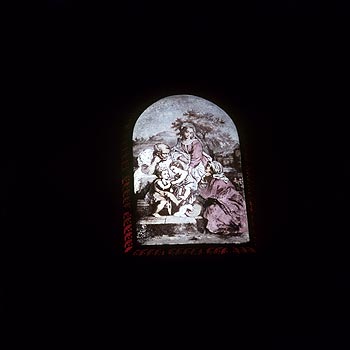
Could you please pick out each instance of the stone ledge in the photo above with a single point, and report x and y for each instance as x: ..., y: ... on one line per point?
x: 175, y: 220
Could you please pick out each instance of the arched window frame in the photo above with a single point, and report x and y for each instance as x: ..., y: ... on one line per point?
x: 130, y: 244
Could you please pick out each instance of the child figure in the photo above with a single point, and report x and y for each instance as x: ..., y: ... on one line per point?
x: 185, y: 187
x: 162, y: 192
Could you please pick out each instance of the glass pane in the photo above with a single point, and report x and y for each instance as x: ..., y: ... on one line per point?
x: 187, y: 177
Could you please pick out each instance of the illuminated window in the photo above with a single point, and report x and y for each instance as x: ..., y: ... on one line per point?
x: 187, y: 185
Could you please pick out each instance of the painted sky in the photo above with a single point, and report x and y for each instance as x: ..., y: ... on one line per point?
x: 159, y: 116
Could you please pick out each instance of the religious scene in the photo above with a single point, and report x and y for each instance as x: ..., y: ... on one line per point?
x: 188, y: 181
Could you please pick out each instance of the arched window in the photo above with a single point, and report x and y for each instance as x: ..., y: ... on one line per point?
x: 187, y: 184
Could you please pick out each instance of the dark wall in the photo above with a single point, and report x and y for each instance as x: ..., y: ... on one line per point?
x: 280, y: 76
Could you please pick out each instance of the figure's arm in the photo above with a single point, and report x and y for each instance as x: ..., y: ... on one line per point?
x: 153, y: 165
x: 179, y: 154
x: 186, y: 194
x: 203, y: 183
x: 181, y: 178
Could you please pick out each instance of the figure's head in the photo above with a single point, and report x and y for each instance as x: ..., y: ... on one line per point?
x: 163, y: 173
x: 176, y: 167
x: 162, y: 150
x: 214, y: 167
x: 187, y: 132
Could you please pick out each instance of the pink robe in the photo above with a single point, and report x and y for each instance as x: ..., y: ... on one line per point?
x: 226, y: 210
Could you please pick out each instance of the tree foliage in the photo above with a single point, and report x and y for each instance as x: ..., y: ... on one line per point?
x: 211, y: 129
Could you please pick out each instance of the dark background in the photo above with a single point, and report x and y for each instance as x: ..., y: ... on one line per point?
x: 281, y: 71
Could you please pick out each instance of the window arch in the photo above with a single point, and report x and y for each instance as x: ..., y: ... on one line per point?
x: 187, y: 184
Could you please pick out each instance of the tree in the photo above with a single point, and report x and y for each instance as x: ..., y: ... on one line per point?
x: 209, y: 128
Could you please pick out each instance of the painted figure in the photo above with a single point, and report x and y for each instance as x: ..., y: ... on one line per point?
x: 189, y: 151
x: 185, y: 187
x: 224, y: 206
x: 162, y: 193
x: 148, y: 160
